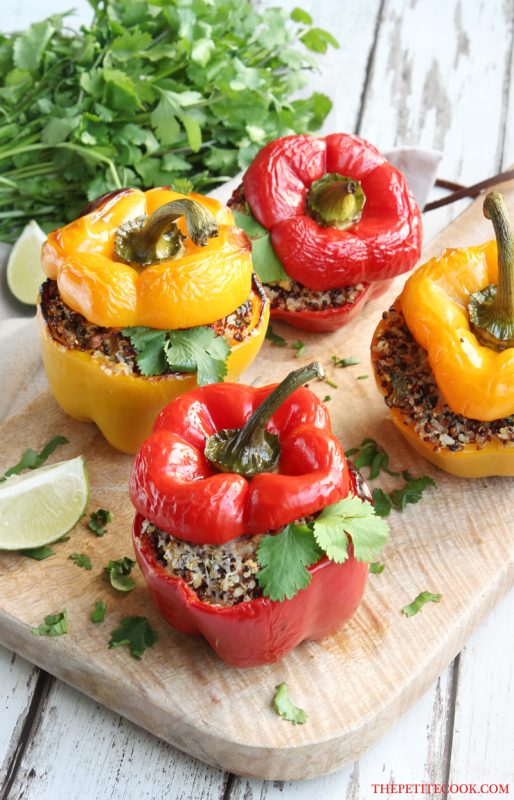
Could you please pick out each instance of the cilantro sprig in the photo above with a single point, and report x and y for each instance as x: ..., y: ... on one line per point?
x: 106, y: 110
x: 284, y: 557
x: 285, y: 708
x: 197, y: 350
x: 98, y: 612
x: 54, y: 625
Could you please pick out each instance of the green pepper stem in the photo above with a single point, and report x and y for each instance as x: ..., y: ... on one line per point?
x: 496, y: 210
x: 491, y: 311
x: 262, y: 415
x: 335, y: 201
x: 252, y: 449
x: 148, y: 240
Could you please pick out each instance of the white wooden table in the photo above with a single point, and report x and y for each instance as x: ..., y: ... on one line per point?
x: 436, y: 73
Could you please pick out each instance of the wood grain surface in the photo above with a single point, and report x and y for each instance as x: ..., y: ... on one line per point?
x: 458, y: 541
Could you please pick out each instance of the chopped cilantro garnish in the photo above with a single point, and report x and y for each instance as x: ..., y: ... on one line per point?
x: 362, y: 377
x: 331, y: 383
x: 345, y: 362
x: 372, y: 455
x: 327, y: 398
x: 54, y: 625
x: 32, y: 460
x: 424, y: 597
x: 81, y: 560
x: 197, y: 350
x: 118, y: 573
x: 274, y: 338
x: 285, y: 708
x: 136, y: 633
x: 38, y: 553
x: 98, y: 520
x: 410, y: 492
x: 285, y: 556
x: 376, y: 567
x: 98, y: 612
x: 299, y: 346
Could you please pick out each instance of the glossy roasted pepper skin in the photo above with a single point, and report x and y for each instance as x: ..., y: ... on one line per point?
x: 201, y: 286
x: 259, y: 631
x: 475, y: 380
x: 175, y: 487
x: 383, y: 243
x: 124, y: 407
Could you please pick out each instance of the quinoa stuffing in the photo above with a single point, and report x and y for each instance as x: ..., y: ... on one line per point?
x: 75, y: 332
x: 406, y: 378
x: 219, y: 574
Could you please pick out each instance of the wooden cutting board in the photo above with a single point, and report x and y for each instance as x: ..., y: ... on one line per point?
x: 459, y: 540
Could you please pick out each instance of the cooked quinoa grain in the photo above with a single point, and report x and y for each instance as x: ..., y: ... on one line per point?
x: 406, y: 378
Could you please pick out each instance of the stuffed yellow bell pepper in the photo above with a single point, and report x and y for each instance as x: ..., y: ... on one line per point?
x: 148, y: 295
x: 443, y: 355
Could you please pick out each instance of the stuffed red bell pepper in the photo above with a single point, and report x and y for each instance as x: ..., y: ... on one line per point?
x: 331, y: 223
x: 251, y: 528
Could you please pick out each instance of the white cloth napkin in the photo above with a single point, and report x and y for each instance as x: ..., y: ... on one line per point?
x: 20, y: 362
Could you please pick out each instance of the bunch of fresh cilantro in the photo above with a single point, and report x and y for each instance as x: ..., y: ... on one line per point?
x: 151, y: 93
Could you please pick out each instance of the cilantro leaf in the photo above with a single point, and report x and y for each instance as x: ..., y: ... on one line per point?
x: 417, y: 604
x: 38, y: 553
x: 370, y: 454
x: 32, y: 460
x: 381, y: 502
x: 327, y: 398
x: 149, y: 345
x: 284, y: 557
x: 98, y: 612
x: 318, y: 40
x: 376, y: 567
x: 357, y: 518
x: 136, y: 633
x: 98, y: 520
x: 249, y: 224
x: 345, y: 362
x: 54, y: 625
x: 118, y: 573
x: 285, y: 708
x: 265, y: 261
x: 81, y: 560
x: 274, y: 338
x: 200, y: 350
x: 30, y: 46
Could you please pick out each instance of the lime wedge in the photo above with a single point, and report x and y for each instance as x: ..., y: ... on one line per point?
x: 41, y: 506
x: 24, y: 272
